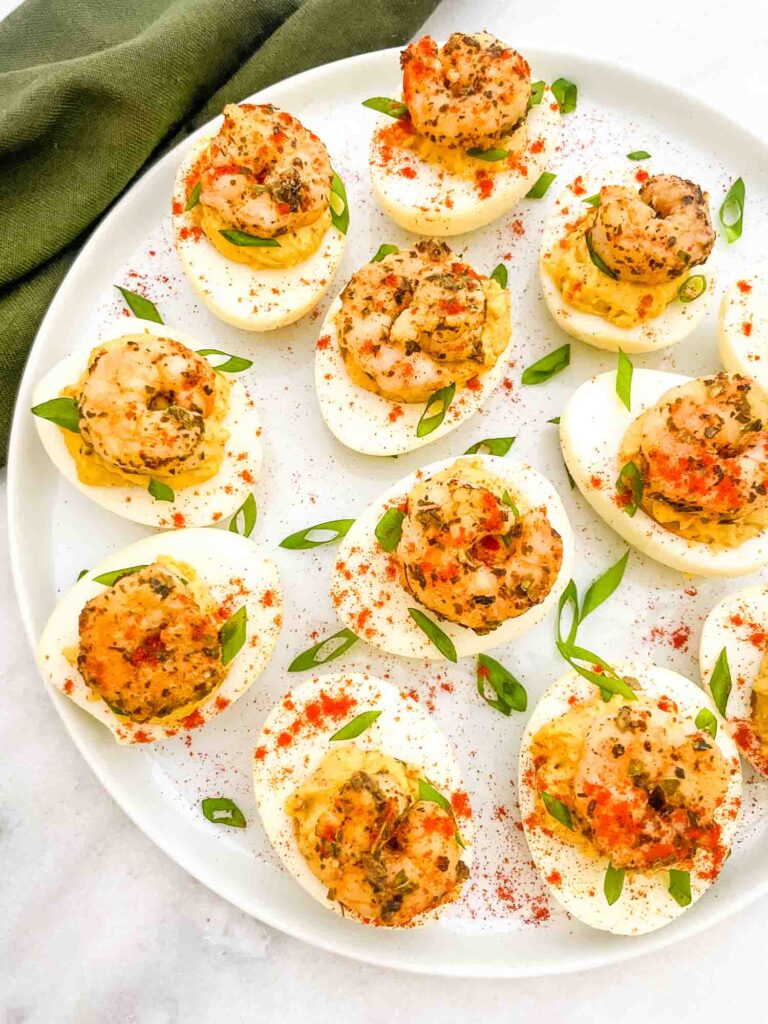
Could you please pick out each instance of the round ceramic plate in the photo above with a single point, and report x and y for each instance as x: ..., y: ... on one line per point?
x: 506, y: 924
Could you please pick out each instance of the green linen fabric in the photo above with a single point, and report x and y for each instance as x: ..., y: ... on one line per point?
x: 92, y: 90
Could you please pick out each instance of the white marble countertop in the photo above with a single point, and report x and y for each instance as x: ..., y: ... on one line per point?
x: 100, y: 926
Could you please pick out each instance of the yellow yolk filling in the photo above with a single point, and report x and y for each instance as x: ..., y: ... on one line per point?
x: 295, y: 246
x: 760, y: 704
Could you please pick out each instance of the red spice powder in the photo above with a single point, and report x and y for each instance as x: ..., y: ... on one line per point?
x: 324, y: 341
x: 178, y: 519
x: 267, y: 599
x: 140, y: 736
x: 193, y: 721
x: 260, y: 753
x: 744, y: 286
x: 407, y: 172
x: 746, y: 328
x: 69, y: 686
x: 222, y: 703
x: 395, y: 413
x: 473, y: 384
x: 460, y: 805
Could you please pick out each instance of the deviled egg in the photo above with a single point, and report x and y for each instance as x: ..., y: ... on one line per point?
x: 470, y: 138
x: 629, y: 806
x: 413, y: 346
x: 259, y: 218
x: 145, y: 426
x: 683, y: 476
x: 165, y: 634
x: 362, y: 798
x: 743, y: 334
x: 479, y: 544
x: 734, y: 667
x: 624, y: 259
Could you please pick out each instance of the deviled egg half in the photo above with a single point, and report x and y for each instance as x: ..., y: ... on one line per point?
x: 456, y: 558
x: 413, y: 346
x: 629, y: 806
x: 743, y: 334
x: 734, y: 668
x: 145, y: 426
x: 165, y: 634
x: 624, y: 259
x: 683, y: 476
x: 259, y: 218
x: 469, y: 139
x: 362, y: 797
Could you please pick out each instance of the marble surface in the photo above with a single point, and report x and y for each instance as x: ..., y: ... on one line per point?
x: 100, y: 926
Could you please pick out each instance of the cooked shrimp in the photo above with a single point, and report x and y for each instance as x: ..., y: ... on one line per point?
x: 146, y: 646
x: 144, y: 402
x: 473, y: 559
x: 267, y: 174
x: 418, y: 320
x: 703, y: 448
x: 646, y: 789
x: 653, y: 235
x: 394, y: 857
x: 471, y: 92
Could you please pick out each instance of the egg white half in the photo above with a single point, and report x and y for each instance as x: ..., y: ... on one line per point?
x: 677, y: 321
x: 403, y: 730
x: 435, y: 202
x: 252, y: 298
x: 739, y: 623
x: 592, y: 428
x: 745, y: 308
x: 199, y: 505
x: 645, y: 903
x: 236, y: 573
x: 370, y: 424
x: 372, y: 601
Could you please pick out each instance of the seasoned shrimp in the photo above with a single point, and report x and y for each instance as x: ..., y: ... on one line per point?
x: 703, y: 449
x: 146, y: 646
x: 473, y: 559
x: 471, y: 92
x: 394, y: 857
x: 266, y: 174
x: 418, y: 320
x: 646, y: 791
x: 655, y: 235
x: 143, y: 405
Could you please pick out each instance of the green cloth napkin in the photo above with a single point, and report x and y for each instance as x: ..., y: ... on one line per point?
x: 91, y: 90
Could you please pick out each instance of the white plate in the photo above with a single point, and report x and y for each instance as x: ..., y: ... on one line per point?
x: 507, y: 925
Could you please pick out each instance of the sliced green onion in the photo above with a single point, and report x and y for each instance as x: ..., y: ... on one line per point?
x: 339, y: 205
x: 566, y: 93
x: 493, y: 445
x: 160, y: 491
x: 490, y: 155
x: 604, y: 586
x: 548, y: 366
x: 624, y: 372
x: 720, y: 682
x: 638, y: 154
x: 223, y: 811
x: 318, y: 655
x: 555, y: 420
x: 83, y: 572
x: 385, y: 105
x: 598, y: 262
x: 608, y: 681
x: 194, y: 197
x: 232, y: 635
x: 441, y: 640
x: 115, y: 709
x: 510, y: 692
x: 693, y: 288
x: 356, y: 727
x: 541, y: 187
x: 680, y: 887
x: 557, y: 810
x: 242, y: 239
x: 732, y: 211
x: 537, y: 92
x: 382, y: 251
x: 507, y: 500
x: 428, y: 792
x: 249, y: 512
x: 592, y: 200
x: 500, y: 276
x: 570, y: 597
x: 109, y: 579
x: 707, y: 722
x: 389, y: 528
x: 613, y: 883
x: 61, y: 411
x: 429, y: 422
x: 337, y: 528
x: 629, y: 481
x: 233, y: 364
x: 139, y: 306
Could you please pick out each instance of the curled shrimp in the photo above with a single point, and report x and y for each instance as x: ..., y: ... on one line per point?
x: 703, y: 449
x: 143, y: 404
x: 654, y: 235
x: 266, y: 174
x: 473, y: 559
x: 471, y: 92
x: 418, y: 320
